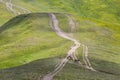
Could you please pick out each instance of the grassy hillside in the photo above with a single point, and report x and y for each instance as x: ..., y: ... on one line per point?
x: 28, y: 37
x: 105, y: 10
x: 98, y: 10
x: 31, y: 38
x: 37, y: 69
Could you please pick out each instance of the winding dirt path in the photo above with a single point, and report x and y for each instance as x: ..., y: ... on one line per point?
x: 54, y: 23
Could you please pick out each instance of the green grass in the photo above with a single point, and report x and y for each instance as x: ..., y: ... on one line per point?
x: 31, y: 38
x: 105, y: 10
x: 100, y: 10
x: 26, y: 38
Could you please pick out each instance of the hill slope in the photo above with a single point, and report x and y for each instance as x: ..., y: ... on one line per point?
x: 29, y: 37
x: 98, y: 10
x: 106, y: 11
x: 24, y: 37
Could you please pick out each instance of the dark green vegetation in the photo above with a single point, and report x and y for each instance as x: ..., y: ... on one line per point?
x: 35, y: 70
x: 26, y: 38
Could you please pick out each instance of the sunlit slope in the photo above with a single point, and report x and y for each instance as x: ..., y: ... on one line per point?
x: 29, y: 37
x: 26, y: 38
x: 103, y: 41
x: 104, y: 10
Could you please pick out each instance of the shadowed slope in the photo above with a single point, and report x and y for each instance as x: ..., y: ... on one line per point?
x: 37, y: 69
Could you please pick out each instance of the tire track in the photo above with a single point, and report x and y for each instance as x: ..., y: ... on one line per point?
x: 85, y: 48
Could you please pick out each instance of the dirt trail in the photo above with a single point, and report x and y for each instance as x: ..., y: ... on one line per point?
x: 85, y: 48
x: 59, y: 32
x: 11, y: 7
x: 54, y: 23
